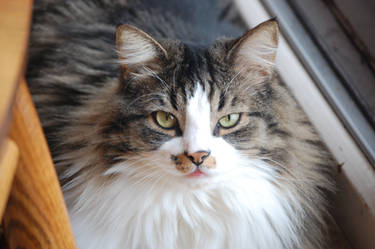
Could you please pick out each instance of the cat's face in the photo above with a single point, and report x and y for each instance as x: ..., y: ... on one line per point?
x: 191, y: 112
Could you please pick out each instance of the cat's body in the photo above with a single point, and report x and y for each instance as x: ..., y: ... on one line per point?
x: 131, y: 182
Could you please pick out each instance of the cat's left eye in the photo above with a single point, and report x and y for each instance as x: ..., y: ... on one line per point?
x: 165, y: 120
x: 230, y: 120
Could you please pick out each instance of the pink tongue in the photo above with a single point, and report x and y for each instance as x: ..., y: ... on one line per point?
x: 196, y: 173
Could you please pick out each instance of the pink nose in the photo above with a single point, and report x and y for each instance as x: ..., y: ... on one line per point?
x: 198, y: 157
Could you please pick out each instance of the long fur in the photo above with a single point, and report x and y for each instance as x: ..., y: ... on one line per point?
x: 269, y: 176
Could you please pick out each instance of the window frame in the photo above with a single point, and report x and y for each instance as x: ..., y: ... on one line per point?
x: 355, y: 203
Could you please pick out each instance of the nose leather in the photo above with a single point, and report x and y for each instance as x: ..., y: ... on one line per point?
x: 198, y: 157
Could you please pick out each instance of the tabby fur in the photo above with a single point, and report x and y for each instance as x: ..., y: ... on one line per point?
x: 95, y: 91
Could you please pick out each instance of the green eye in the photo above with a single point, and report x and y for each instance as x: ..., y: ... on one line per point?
x: 165, y: 120
x: 230, y: 120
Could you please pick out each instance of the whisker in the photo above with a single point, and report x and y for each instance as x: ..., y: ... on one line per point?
x: 154, y: 74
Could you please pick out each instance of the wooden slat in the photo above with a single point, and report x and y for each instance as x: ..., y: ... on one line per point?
x: 8, y: 165
x: 15, y: 18
x: 36, y: 216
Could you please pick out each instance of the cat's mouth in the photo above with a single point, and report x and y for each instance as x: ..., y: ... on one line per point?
x: 197, y: 173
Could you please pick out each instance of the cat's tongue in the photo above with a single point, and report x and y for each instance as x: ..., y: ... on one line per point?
x: 197, y: 173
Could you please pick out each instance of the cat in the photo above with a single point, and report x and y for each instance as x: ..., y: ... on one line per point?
x: 166, y: 136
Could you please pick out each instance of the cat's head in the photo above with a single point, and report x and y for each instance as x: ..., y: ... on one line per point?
x: 190, y: 111
x: 187, y: 112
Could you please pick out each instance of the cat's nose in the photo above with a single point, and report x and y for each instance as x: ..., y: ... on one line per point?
x: 198, y: 157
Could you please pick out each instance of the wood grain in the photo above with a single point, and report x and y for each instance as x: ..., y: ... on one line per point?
x: 15, y: 18
x: 36, y: 216
x: 8, y: 165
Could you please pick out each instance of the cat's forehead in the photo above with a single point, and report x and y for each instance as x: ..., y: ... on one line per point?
x: 197, y: 65
x: 193, y: 65
x: 190, y: 67
x: 206, y: 68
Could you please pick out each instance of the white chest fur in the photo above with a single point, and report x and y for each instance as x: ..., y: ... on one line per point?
x: 241, y: 210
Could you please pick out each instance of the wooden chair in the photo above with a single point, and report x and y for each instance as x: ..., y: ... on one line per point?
x: 31, y: 202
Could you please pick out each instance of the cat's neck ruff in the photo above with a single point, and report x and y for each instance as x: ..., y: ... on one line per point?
x: 240, y: 209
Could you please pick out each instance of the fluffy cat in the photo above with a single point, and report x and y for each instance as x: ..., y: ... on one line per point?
x: 165, y: 137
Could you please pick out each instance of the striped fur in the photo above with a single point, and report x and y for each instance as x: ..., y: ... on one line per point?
x: 269, y: 175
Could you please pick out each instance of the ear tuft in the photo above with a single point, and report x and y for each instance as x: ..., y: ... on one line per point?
x: 257, y: 48
x: 137, y: 48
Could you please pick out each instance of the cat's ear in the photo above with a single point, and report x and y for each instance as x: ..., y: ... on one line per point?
x: 137, y: 50
x: 256, y: 50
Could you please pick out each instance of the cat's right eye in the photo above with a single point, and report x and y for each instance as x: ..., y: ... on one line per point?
x: 165, y: 120
x: 230, y: 120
